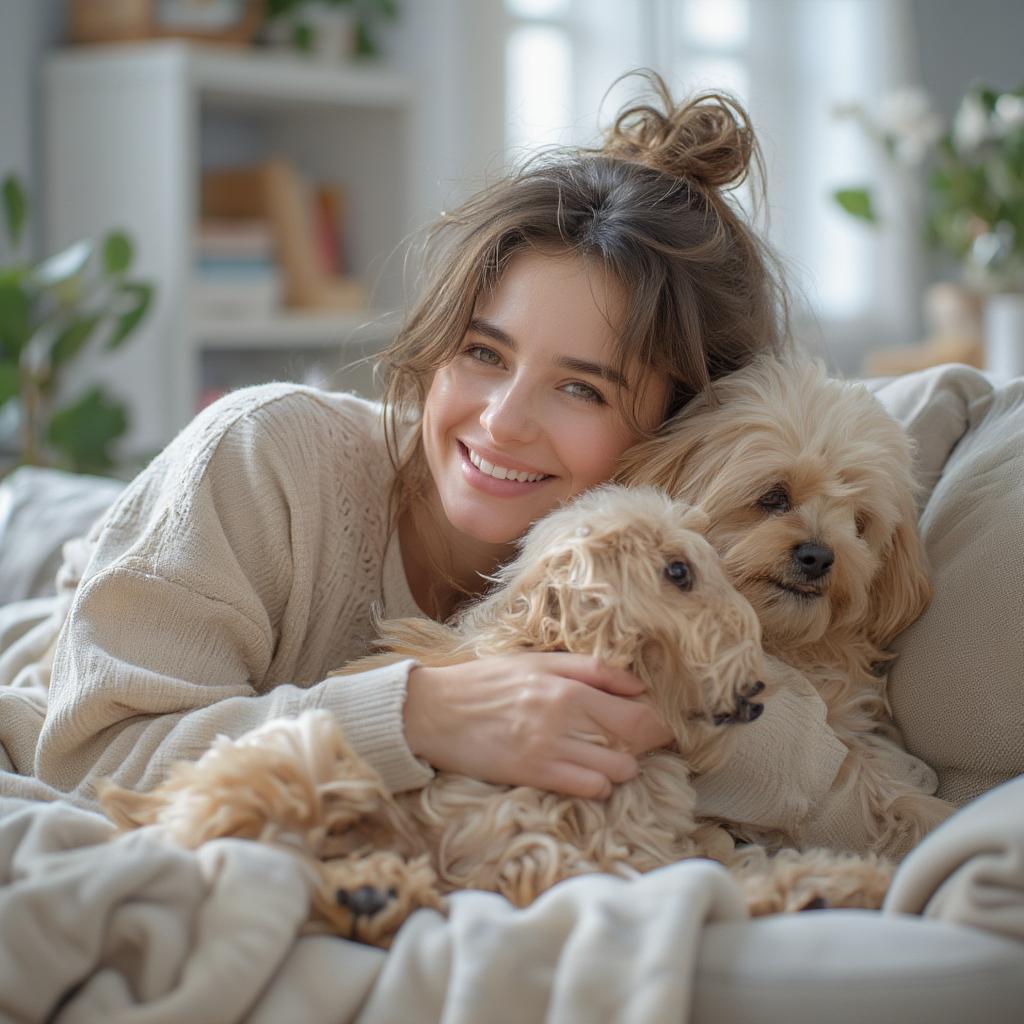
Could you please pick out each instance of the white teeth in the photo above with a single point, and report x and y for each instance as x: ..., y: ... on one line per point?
x: 500, y: 472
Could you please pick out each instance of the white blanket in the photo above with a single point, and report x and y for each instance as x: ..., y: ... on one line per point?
x: 98, y: 927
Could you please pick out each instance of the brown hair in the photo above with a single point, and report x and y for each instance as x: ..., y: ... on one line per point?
x: 703, y: 293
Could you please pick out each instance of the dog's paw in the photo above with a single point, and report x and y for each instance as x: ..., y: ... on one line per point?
x: 368, y: 897
x: 908, y: 819
x: 365, y: 900
x: 793, y: 881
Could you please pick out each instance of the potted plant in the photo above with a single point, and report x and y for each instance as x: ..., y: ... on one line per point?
x: 332, y: 29
x: 969, y: 177
x: 49, y: 312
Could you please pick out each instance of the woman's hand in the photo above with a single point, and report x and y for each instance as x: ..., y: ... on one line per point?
x: 563, y: 722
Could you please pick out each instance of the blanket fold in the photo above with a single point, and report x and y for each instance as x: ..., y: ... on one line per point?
x: 971, y: 869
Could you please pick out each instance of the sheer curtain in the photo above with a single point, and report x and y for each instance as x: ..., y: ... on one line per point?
x: 790, y: 62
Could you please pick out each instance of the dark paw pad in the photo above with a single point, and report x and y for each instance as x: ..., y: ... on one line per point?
x: 365, y: 901
x: 818, y: 903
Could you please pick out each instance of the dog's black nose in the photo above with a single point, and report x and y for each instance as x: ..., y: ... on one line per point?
x: 364, y: 901
x: 813, y: 560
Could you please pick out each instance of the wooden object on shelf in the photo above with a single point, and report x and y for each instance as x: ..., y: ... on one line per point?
x: 275, y: 190
x: 953, y: 317
x: 234, y: 193
x: 308, y: 285
x: 112, y: 21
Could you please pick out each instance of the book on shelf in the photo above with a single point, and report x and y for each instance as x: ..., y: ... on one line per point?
x: 305, y: 224
x: 236, y: 273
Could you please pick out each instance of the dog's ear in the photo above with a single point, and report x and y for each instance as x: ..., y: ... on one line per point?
x: 666, y: 461
x: 559, y: 599
x: 901, y: 590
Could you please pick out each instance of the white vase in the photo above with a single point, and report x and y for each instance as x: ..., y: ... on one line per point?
x: 1004, y: 334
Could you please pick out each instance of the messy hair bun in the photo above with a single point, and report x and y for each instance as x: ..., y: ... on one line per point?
x: 702, y: 292
x: 707, y: 140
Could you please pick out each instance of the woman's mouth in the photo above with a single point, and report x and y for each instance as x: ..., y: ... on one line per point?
x: 496, y: 479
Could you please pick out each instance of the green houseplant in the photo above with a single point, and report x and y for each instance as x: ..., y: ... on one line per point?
x: 49, y: 312
x: 366, y: 16
x: 969, y: 177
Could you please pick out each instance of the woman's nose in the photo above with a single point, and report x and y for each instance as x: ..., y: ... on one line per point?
x: 508, y: 416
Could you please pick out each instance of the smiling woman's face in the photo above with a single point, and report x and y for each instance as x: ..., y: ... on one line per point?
x: 527, y: 414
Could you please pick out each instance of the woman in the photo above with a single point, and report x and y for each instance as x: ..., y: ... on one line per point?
x: 571, y: 308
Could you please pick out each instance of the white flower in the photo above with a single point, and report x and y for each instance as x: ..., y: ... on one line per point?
x: 1009, y: 112
x: 971, y: 126
x: 900, y: 111
x: 906, y: 117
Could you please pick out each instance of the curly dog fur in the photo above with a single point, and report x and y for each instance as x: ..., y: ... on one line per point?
x: 808, y: 487
x: 374, y: 857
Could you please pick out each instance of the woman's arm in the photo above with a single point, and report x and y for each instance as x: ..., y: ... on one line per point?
x: 220, y: 590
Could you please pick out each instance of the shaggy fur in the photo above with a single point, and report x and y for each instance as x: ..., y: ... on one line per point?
x: 794, y: 471
x: 375, y: 857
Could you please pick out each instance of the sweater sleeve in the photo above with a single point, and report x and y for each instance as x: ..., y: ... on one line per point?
x: 784, y: 763
x: 196, y: 595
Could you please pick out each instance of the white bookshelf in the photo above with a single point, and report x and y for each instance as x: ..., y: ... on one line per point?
x: 129, y: 130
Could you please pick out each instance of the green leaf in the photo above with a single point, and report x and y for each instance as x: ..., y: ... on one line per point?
x: 13, y: 274
x: 366, y: 45
x: 141, y: 298
x: 15, y: 208
x: 84, y: 432
x: 275, y: 8
x: 10, y: 381
x: 15, y: 319
x: 72, y: 338
x: 117, y: 253
x: 302, y: 37
x: 857, y: 203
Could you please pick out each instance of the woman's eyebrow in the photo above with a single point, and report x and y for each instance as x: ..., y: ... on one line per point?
x: 493, y: 331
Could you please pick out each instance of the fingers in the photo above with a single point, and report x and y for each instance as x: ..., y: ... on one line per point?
x: 576, y: 781
x: 632, y: 724
x: 589, y: 670
x: 614, y: 765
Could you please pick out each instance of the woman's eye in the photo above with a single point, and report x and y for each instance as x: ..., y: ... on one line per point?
x: 775, y: 501
x: 585, y: 391
x: 679, y: 575
x: 483, y: 354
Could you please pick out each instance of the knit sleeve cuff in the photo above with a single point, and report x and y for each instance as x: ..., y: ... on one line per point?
x: 369, y: 707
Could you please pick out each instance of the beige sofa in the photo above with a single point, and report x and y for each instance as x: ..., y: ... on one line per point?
x: 948, y: 947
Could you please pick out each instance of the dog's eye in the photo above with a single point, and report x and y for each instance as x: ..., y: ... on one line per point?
x: 776, y: 500
x: 861, y: 522
x: 679, y: 575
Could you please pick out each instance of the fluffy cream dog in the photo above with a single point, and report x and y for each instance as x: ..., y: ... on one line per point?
x: 807, y: 484
x: 682, y: 628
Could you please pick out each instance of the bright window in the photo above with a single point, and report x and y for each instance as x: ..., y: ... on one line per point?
x: 789, y: 62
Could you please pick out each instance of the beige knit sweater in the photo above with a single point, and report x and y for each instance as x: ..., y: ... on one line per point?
x: 232, y: 575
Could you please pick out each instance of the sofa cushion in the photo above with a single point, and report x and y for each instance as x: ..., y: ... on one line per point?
x: 957, y: 688
x: 40, y: 509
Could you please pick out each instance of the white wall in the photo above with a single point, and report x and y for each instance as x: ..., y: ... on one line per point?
x: 27, y: 29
